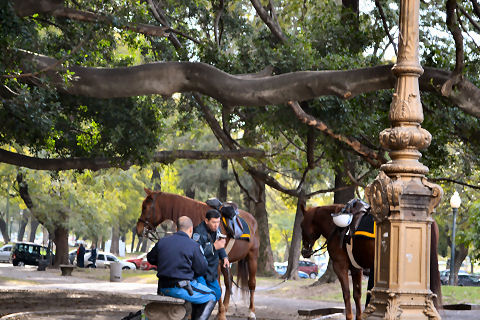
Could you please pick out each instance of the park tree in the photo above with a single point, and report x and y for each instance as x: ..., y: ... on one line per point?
x: 87, y: 85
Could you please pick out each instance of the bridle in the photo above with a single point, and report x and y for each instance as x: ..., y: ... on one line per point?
x: 149, y: 230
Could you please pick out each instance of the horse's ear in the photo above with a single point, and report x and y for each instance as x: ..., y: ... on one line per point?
x: 148, y: 191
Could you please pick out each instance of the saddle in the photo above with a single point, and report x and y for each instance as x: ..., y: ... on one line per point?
x: 235, y: 226
x: 362, y: 224
x: 359, y: 209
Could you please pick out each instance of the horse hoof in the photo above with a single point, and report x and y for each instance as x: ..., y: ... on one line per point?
x: 252, y: 316
x: 222, y: 317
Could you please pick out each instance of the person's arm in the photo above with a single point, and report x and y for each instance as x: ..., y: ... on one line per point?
x: 152, y: 256
x: 199, y: 262
x: 222, y: 254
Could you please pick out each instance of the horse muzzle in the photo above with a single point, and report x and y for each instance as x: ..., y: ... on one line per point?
x: 307, y: 253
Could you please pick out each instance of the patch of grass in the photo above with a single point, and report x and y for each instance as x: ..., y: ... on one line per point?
x: 13, y: 281
x: 452, y: 295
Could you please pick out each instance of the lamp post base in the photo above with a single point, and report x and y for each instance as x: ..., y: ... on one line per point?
x: 397, y: 304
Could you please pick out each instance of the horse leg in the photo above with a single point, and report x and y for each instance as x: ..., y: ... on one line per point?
x: 222, y: 311
x: 370, y: 284
x: 341, y: 270
x: 252, y: 281
x: 223, y: 308
x: 357, y: 291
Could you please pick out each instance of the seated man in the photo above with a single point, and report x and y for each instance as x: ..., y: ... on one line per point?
x: 208, y: 235
x: 178, y: 259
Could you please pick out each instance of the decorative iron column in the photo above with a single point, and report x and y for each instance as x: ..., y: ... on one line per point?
x: 402, y: 199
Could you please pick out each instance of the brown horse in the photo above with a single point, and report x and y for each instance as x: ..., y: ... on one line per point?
x: 160, y: 206
x: 318, y: 222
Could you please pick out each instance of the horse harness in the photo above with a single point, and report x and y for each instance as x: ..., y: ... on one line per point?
x: 149, y: 229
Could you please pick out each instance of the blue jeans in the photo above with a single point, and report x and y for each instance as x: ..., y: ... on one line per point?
x: 215, y: 286
x: 201, y: 293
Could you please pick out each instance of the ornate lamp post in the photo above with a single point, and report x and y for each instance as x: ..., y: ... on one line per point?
x: 401, y: 197
x: 455, y: 202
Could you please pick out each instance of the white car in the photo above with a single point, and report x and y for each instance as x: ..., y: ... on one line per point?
x: 104, y: 260
x: 5, y: 252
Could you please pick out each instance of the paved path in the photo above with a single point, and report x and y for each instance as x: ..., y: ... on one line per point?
x: 265, y: 304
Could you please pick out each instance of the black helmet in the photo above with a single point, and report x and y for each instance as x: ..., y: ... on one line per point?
x: 214, y: 203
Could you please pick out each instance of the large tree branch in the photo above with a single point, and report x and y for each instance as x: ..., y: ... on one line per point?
x: 270, y: 20
x: 55, y: 8
x: 455, y: 182
x: 102, y: 163
x: 166, y: 78
x: 454, y: 29
x: 375, y: 158
x: 160, y: 17
x: 385, y: 25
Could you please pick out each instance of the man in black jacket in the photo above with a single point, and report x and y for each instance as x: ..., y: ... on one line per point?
x: 179, y: 259
x: 207, y: 234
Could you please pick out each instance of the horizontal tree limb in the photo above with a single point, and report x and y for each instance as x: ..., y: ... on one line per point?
x: 103, y: 163
x: 166, y: 78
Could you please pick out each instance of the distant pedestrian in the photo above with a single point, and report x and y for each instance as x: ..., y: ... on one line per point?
x: 93, y: 256
x: 81, y: 256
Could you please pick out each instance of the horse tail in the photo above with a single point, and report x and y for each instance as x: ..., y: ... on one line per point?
x: 435, y: 284
x: 242, y: 276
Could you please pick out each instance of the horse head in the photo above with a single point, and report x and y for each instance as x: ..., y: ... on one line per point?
x: 309, y: 232
x: 149, y: 219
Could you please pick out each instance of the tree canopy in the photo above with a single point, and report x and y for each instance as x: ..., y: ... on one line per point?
x: 289, y: 89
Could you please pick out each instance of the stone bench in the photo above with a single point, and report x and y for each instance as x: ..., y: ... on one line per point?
x: 67, y: 269
x: 166, y: 308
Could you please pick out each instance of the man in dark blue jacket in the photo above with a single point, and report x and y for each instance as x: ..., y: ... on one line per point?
x: 179, y: 260
x: 207, y: 234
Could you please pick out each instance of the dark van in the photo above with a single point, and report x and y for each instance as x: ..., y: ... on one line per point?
x: 24, y: 253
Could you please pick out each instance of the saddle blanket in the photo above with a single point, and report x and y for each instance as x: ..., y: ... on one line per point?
x: 237, y: 228
x: 367, y: 227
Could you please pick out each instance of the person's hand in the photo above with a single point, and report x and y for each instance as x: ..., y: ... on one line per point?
x: 226, y: 263
x: 220, y: 243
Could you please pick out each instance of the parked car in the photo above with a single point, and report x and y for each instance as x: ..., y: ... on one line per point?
x: 309, y: 268
x: 28, y: 253
x: 468, y: 280
x: 5, y: 253
x: 105, y: 259
x: 142, y: 263
x: 445, y: 275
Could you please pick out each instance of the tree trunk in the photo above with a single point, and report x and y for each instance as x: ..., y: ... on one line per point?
x: 115, y: 238
x: 461, y: 252
x: 61, y: 244
x: 294, y: 254
x: 156, y: 179
x: 342, y: 196
x: 190, y: 192
x: 102, y: 243
x: 134, y: 233
x: 265, y: 258
x: 144, y: 245
x: 22, y: 225
x: 329, y: 276
x: 287, y: 245
x: 139, y: 243
x: 45, y: 236
x: 33, y: 228
x: 4, y: 229
x: 223, y: 184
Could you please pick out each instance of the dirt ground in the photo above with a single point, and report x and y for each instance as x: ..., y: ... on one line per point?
x: 49, y: 296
